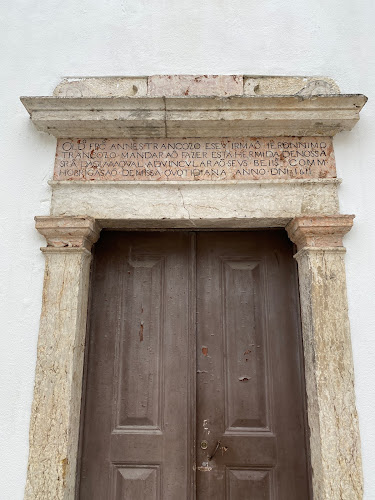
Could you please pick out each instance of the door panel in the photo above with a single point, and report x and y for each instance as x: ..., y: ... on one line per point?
x: 138, y: 367
x: 135, y: 435
x: 247, y: 483
x: 193, y: 338
x: 136, y: 482
x: 245, y: 403
x: 249, y: 385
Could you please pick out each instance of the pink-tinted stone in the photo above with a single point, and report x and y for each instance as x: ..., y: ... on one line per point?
x: 195, y: 85
x: 195, y: 159
x: 80, y: 232
x: 319, y: 231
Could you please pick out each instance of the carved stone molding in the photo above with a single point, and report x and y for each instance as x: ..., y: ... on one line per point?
x: 148, y: 117
x: 319, y: 231
x: 68, y: 232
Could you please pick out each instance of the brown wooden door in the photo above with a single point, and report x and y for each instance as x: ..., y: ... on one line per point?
x: 154, y: 410
x: 136, y: 438
x: 249, y: 377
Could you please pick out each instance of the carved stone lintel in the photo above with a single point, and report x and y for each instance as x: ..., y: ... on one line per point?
x: 319, y: 231
x: 68, y: 232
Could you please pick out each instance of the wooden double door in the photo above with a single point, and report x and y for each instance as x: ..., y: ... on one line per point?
x: 194, y: 376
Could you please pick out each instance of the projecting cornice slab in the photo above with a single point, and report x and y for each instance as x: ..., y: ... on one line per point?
x: 236, y: 116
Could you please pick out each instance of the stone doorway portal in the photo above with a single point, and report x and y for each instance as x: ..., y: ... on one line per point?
x: 306, y: 204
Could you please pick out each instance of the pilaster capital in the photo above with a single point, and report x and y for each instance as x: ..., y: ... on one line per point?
x: 63, y: 232
x: 325, y: 231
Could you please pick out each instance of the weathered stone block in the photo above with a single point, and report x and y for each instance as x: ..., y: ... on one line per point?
x: 114, y: 86
x: 290, y: 85
x: 195, y: 85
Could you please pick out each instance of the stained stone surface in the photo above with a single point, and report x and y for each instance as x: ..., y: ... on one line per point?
x: 332, y: 416
x: 54, y: 425
x: 55, y: 415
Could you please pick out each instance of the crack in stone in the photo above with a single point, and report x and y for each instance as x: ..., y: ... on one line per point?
x: 185, y: 207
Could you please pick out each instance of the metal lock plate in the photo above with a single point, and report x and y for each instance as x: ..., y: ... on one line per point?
x: 204, y: 445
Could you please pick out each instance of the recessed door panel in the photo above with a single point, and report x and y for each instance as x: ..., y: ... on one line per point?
x: 243, y: 332
x: 138, y: 368
x: 137, y: 482
x: 248, y: 484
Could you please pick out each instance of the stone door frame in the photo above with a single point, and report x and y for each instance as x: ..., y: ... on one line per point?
x: 308, y: 209
x: 332, y: 417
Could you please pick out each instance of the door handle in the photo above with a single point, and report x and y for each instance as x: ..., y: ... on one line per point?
x: 218, y: 444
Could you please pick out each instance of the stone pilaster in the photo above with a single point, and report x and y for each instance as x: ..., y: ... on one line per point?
x: 54, y: 425
x: 332, y: 415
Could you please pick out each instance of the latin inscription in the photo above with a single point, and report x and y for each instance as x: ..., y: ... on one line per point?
x: 194, y: 159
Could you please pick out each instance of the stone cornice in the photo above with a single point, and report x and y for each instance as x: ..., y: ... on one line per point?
x: 66, y: 233
x: 324, y: 231
x: 188, y: 116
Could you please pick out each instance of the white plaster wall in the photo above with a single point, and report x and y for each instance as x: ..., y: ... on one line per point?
x: 43, y: 41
